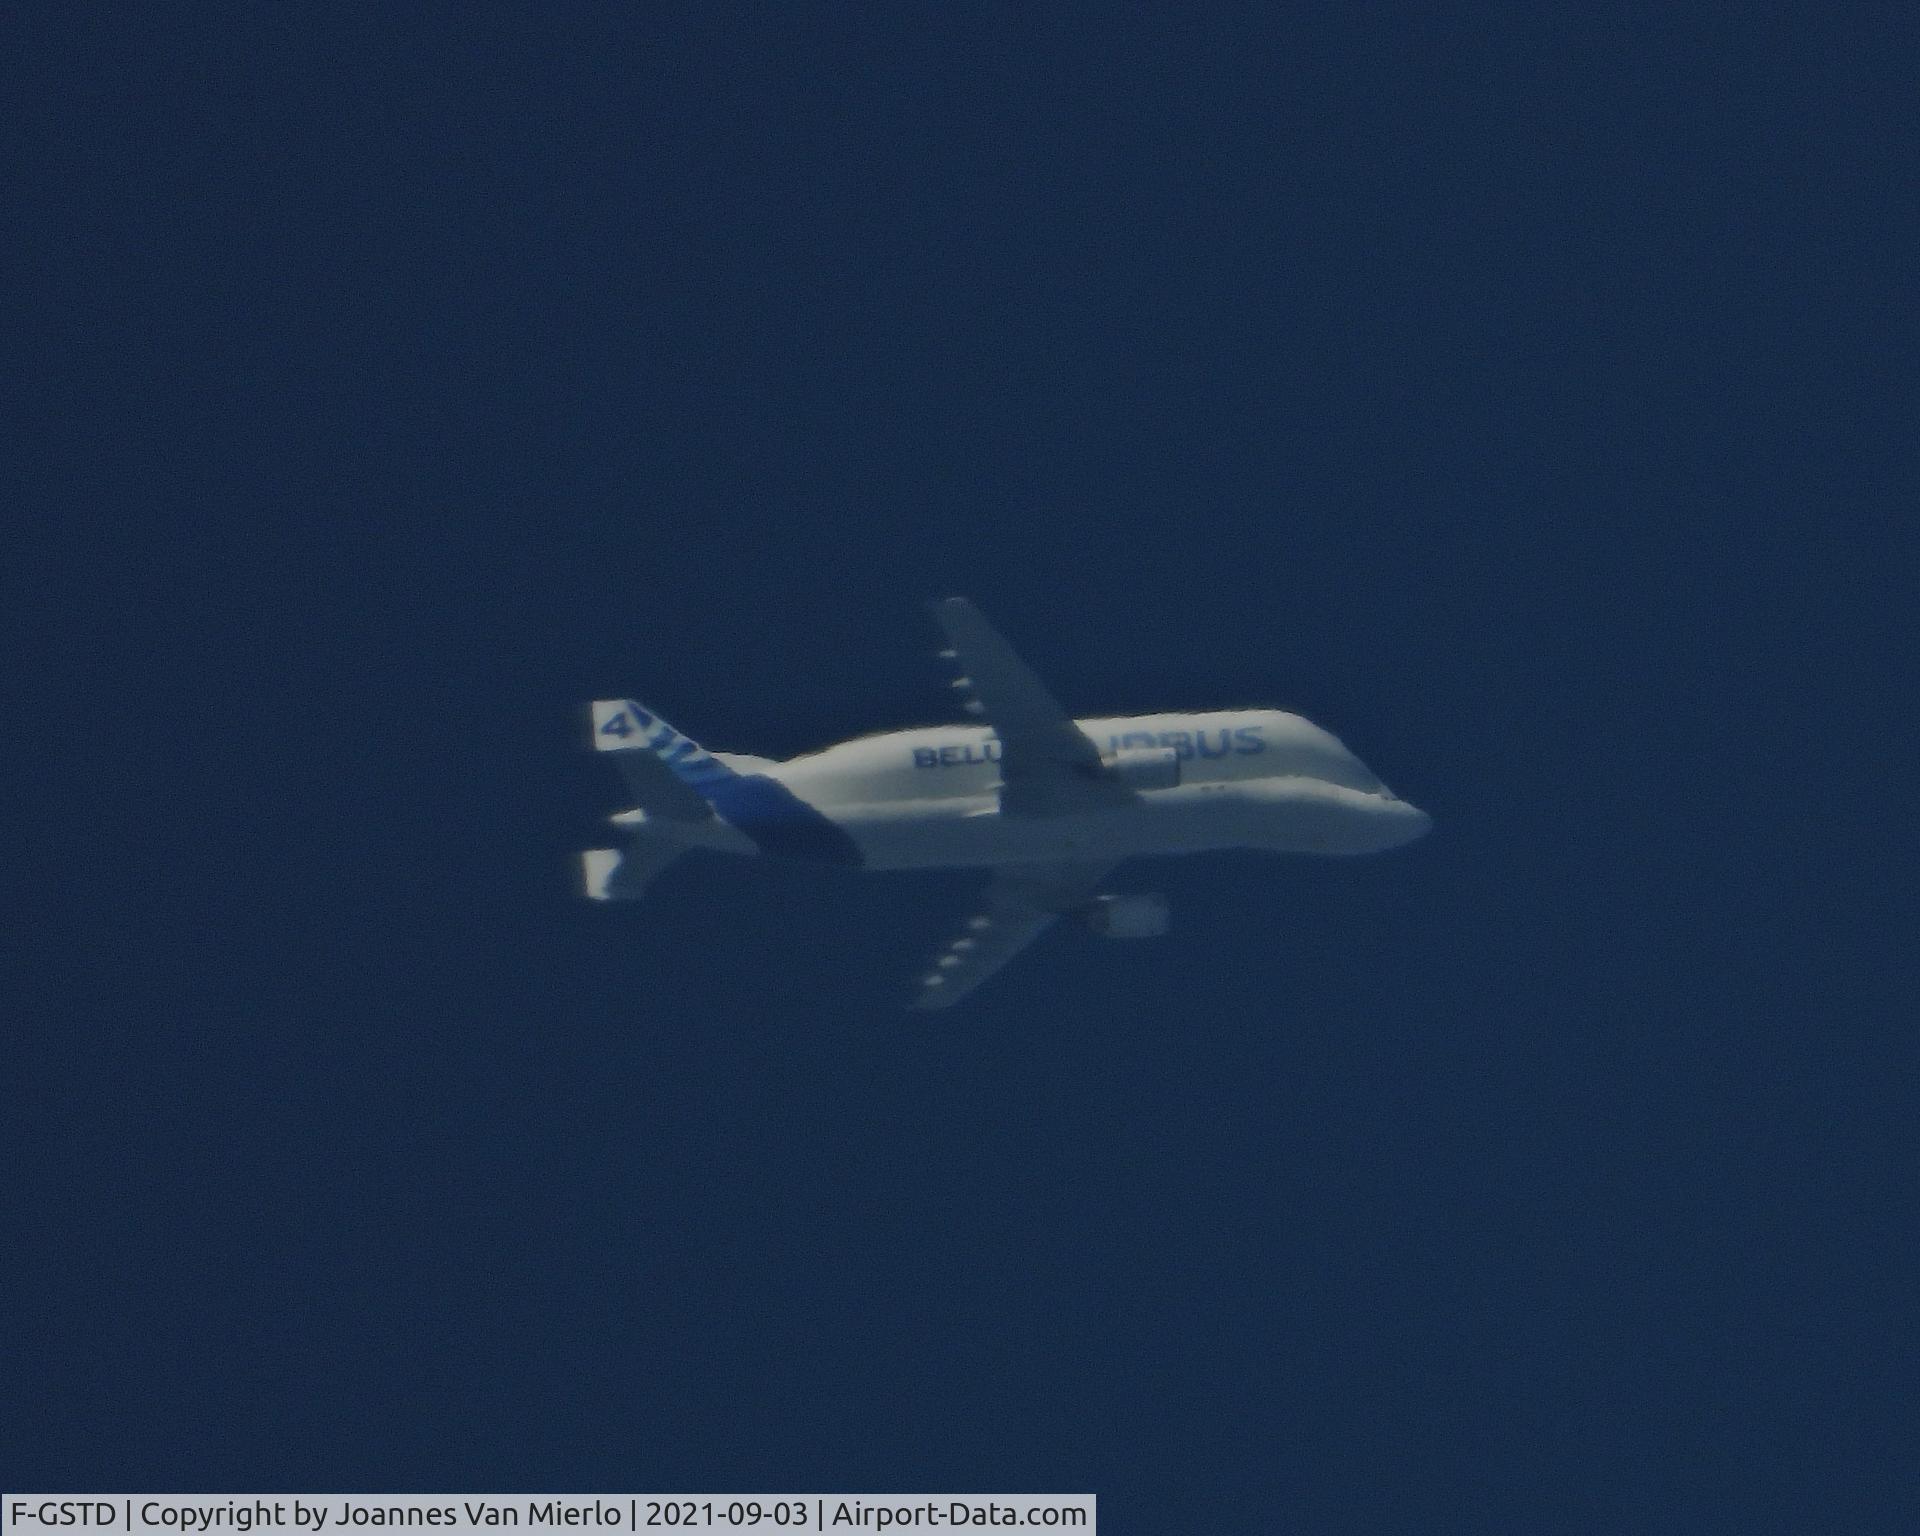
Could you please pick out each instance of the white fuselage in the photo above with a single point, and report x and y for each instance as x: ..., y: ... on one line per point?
x: 1247, y: 778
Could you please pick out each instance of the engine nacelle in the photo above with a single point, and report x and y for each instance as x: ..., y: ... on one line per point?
x: 1129, y: 917
x: 1146, y: 767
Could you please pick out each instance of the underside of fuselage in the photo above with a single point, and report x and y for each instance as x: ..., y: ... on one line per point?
x: 1281, y: 816
x: 970, y: 831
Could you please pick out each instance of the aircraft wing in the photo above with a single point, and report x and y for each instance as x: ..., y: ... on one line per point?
x: 1021, y: 903
x: 1047, y: 763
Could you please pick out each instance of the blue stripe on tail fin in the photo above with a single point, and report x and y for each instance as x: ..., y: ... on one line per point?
x: 779, y: 822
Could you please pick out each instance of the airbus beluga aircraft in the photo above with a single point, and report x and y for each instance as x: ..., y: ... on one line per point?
x: 1049, y: 804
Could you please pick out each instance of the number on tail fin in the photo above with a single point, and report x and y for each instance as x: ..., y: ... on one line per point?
x: 617, y: 726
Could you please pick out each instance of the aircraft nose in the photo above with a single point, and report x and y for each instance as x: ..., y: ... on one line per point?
x: 1414, y: 823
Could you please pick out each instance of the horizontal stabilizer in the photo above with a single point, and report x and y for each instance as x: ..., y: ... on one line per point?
x: 613, y: 874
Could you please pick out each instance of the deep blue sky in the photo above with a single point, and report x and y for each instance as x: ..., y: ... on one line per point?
x: 1530, y: 399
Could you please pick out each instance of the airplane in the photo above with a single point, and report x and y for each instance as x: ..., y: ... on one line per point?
x: 1048, y: 803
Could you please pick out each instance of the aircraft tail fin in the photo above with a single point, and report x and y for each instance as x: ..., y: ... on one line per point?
x: 676, y: 779
x: 670, y: 775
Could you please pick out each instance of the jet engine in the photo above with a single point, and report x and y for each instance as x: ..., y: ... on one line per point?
x: 1146, y: 767
x: 1128, y: 917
